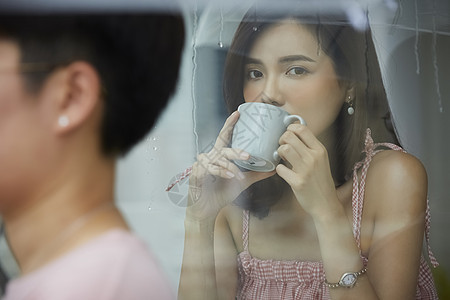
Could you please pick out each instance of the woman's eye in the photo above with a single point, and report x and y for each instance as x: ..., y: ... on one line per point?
x: 296, y: 71
x: 254, y: 74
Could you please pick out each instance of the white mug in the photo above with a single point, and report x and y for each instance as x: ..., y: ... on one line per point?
x: 258, y: 131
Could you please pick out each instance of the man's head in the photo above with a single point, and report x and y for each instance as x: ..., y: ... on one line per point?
x: 134, y: 59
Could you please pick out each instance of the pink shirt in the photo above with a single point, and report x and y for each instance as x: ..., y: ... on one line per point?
x: 115, y: 265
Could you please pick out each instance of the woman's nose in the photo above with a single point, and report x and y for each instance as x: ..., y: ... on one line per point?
x: 271, y: 93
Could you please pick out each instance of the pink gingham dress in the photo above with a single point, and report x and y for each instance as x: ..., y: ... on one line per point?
x: 271, y: 279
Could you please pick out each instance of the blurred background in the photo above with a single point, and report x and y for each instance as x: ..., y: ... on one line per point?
x: 413, y: 45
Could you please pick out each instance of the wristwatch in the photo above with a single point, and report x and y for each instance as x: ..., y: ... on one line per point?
x: 347, y: 280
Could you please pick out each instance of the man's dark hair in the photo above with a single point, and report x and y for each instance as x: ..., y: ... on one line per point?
x: 137, y: 57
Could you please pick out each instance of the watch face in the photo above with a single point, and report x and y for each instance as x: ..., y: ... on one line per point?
x: 348, y: 279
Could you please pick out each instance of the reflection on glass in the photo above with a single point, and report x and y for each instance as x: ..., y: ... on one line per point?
x: 346, y: 210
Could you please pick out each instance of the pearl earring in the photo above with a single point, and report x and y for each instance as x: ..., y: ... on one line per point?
x: 63, y: 121
x: 350, y: 109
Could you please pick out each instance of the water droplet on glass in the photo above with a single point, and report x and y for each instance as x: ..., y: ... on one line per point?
x: 154, y: 138
x: 255, y: 28
x: 155, y: 148
x: 149, y: 208
x: 220, y: 44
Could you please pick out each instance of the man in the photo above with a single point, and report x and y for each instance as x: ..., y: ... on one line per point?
x: 76, y: 92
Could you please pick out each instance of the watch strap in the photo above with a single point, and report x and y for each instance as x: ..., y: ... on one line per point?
x: 341, y: 282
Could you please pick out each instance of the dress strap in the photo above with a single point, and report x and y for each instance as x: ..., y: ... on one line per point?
x: 431, y: 256
x: 359, y: 186
x: 245, y: 219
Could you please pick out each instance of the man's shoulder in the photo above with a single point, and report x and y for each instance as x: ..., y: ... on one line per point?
x: 114, y: 265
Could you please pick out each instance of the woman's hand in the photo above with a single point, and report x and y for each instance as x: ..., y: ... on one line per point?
x: 215, y: 180
x: 307, y: 170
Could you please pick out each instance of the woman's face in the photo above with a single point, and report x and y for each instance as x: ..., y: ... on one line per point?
x: 286, y: 68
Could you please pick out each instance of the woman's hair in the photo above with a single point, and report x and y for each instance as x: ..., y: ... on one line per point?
x: 137, y: 57
x: 356, y: 65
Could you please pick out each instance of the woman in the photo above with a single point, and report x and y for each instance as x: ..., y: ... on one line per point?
x: 323, y: 224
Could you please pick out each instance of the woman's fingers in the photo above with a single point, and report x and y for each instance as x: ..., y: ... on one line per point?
x: 222, y: 157
x: 225, y: 153
x: 226, y: 132
x: 226, y: 158
x: 200, y: 172
x: 219, y: 171
x: 300, y: 147
x: 219, y: 163
x: 290, y: 155
x: 294, y: 151
x: 287, y: 174
x: 291, y: 139
x: 305, y: 135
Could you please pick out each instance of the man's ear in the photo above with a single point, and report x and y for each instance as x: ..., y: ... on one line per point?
x: 79, y: 96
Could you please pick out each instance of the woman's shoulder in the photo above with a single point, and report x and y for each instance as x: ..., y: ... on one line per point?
x: 396, y: 181
x: 231, y: 217
x: 397, y: 168
x: 232, y: 214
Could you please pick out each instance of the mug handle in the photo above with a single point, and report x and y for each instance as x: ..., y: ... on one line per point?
x: 292, y: 118
x: 288, y: 120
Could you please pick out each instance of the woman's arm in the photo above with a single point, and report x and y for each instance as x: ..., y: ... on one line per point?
x: 214, y: 182
x: 395, y: 197
x: 397, y: 185
x: 197, y: 278
x: 225, y: 256
x: 309, y: 175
